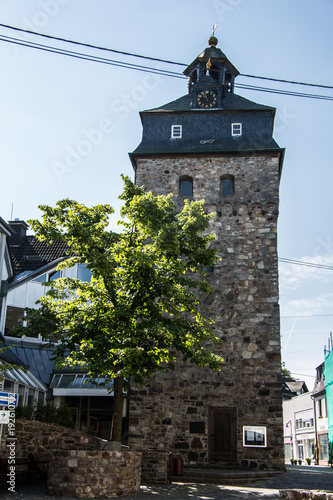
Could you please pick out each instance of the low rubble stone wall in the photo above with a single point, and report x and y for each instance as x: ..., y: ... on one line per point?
x: 94, y: 474
x: 305, y: 495
x: 40, y: 438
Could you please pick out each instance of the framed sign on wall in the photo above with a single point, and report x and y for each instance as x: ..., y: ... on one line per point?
x: 254, y: 436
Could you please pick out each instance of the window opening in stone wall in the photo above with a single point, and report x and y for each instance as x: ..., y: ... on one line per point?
x: 227, y: 185
x: 208, y: 269
x: 186, y: 186
x: 236, y: 129
x: 176, y: 131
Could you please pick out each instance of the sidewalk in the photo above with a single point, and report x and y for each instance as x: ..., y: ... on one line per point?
x: 304, y: 477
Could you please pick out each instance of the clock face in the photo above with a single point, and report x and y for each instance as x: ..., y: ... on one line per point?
x: 207, y: 99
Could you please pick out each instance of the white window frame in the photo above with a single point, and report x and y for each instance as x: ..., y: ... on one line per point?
x: 236, y: 129
x: 248, y: 430
x: 176, y: 131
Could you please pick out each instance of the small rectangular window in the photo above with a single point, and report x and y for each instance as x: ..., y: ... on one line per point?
x: 176, y: 132
x: 227, y: 187
x: 236, y: 129
x: 186, y: 188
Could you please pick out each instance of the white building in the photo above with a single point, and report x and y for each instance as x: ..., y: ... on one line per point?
x: 299, y: 428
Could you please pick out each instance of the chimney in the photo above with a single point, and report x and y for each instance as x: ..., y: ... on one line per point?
x: 20, y: 227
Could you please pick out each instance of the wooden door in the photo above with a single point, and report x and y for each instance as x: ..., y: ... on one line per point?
x: 222, y: 434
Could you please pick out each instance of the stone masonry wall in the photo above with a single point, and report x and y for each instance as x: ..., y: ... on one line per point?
x: 40, y: 438
x: 171, y: 412
x: 94, y: 474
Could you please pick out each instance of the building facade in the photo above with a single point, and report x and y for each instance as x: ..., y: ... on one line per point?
x: 321, y: 418
x: 214, y: 145
x: 35, y: 378
x: 299, y: 428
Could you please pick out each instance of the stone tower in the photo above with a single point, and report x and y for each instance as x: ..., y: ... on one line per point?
x: 214, y: 145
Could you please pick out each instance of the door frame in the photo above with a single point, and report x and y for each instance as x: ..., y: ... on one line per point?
x: 214, y: 456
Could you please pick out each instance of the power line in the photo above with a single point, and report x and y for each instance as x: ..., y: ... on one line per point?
x: 286, y: 81
x: 146, y: 69
x: 306, y: 264
x: 284, y: 92
x: 303, y: 375
x: 307, y: 316
x: 130, y: 54
x: 91, y: 46
x: 86, y: 57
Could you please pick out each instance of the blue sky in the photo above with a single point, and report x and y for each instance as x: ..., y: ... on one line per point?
x: 67, y: 125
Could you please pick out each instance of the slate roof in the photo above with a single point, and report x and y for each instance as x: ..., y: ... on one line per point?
x: 292, y: 388
x: 231, y: 102
x: 39, y: 361
x: 31, y: 253
x: 215, y: 54
x: 9, y: 356
x: 192, y: 147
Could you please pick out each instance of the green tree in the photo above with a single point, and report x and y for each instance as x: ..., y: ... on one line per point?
x: 285, y: 372
x: 5, y: 365
x: 143, y: 297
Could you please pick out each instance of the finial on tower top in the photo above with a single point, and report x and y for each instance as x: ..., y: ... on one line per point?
x: 213, y: 40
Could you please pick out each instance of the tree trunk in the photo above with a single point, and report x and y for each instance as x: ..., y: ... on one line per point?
x: 117, y: 418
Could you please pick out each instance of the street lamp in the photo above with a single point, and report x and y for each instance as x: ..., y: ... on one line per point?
x: 291, y: 437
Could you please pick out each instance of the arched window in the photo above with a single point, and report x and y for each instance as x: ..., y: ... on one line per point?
x: 186, y: 186
x: 227, y: 185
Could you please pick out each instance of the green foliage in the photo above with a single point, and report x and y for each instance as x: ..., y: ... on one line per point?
x: 143, y: 297
x: 285, y: 372
x: 4, y: 366
x: 24, y: 412
x: 142, y: 303
x: 47, y: 412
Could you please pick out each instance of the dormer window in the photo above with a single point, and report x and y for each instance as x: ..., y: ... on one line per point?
x: 176, y: 131
x: 186, y: 186
x: 236, y: 129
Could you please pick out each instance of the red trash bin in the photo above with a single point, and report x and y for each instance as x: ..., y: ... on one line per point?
x: 178, y: 466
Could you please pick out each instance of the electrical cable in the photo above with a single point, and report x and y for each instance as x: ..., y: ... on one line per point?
x: 130, y: 54
x: 146, y: 69
x: 306, y: 316
x: 286, y: 81
x: 307, y: 264
x: 91, y: 46
x: 86, y: 57
x: 284, y: 92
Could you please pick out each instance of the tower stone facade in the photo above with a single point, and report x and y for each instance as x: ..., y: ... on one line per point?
x: 214, y: 145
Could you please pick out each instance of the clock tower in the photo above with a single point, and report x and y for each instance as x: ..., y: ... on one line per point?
x: 215, y: 145
x: 210, y: 76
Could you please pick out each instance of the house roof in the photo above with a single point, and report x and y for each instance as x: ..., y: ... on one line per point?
x: 31, y: 254
x: 30, y: 354
x: 9, y: 356
x: 5, y: 228
x: 292, y: 388
x: 214, y: 54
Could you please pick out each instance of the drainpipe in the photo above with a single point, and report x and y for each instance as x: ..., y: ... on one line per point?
x: 315, y: 426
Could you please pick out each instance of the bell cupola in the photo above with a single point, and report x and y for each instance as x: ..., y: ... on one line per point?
x: 211, y: 68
